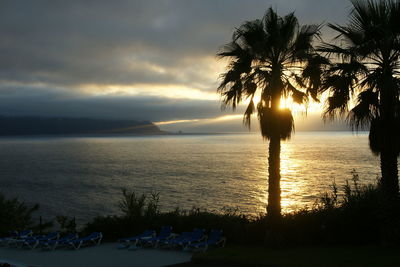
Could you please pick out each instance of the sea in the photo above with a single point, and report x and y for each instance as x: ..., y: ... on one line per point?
x: 83, y: 177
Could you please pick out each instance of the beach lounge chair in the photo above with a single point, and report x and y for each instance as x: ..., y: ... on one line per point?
x: 134, y: 241
x: 214, y: 239
x: 33, y: 242
x: 176, y: 238
x: 186, y: 238
x: 12, y: 235
x: 54, y: 243
x: 22, y: 235
x: 92, y: 239
x: 20, y: 241
x: 164, y: 235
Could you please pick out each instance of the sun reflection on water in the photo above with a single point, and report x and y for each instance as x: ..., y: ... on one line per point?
x: 211, y: 172
x: 290, y: 186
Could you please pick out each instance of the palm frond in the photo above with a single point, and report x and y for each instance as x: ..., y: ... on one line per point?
x: 337, y: 103
x: 231, y: 49
x: 312, y: 75
x: 232, y: 96
x: 303, y: 43
x: 247, y: 114
x: 335, y: 50
x: 298, y: 96
x: 365, y: 111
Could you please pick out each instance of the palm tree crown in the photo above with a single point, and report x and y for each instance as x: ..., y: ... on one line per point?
x: 368, y: 69
x: 273, y: 56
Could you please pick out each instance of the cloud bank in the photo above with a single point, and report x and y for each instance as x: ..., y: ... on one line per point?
x: 126, y: 59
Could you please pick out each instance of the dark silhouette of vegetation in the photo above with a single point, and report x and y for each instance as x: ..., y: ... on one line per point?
x: 16, y: 215
x: 270, y: 58
x: 67, y: 224
x: 368, y: 69
x: 141, y: 212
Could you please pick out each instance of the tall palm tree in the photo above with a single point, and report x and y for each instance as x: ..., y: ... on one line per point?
x: 271, y: 57
x: 368, y: 70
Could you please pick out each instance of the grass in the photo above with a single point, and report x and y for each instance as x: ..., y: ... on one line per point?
x: 372, y: 255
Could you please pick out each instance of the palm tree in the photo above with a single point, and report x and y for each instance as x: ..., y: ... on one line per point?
x: 270, y: 58
x: 368, y: 71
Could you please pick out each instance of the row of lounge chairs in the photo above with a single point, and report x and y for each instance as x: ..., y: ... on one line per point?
x: 195, y: 240
x: 51, y: 241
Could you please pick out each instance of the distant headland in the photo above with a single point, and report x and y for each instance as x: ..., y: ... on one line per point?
x: 29, y: 125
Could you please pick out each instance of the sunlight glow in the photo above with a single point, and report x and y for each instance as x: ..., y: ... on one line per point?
x: 173, y: 122
x: 201, y: 121
x: 310, y: 106
x: 163, y: 90
x: 256, y: 99
x: 227, y: 117
x: 297, y: 109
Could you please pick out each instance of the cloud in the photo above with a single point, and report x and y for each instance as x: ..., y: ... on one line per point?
x: 128, y: 42
x: 60, y: 102
x: 62, y: 57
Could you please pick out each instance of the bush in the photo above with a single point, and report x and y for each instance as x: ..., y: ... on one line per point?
x: 67, y: 225
x: 15, y: 215
x: 141, y: 212
x: 359, y: 215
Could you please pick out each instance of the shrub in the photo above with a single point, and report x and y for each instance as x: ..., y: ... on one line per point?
x: 15, y: 215
x: 67, y: 224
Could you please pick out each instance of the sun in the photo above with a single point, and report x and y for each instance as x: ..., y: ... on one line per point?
x: 297, y: 109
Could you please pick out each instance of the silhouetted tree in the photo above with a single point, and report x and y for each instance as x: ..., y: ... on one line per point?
x: 271, y: 57
x: 368, y: 69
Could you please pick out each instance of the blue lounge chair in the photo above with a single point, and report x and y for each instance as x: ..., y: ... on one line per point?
x: 22, y: 235
x: 20, y: 241
x: 33, y: 242
x: 4, y: 240
x: 54, y: 243
x: 176, y: 239
x: 134, y: 241
x: 92, y: 239
x: 214, y: 239
x: 164, y: 235
x: 186, y: 238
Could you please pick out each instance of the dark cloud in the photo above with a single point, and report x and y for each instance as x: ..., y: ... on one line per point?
x: 50, y: 102
x: 117, y: 42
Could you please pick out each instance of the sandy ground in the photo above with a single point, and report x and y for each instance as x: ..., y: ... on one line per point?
x: 106, y: 255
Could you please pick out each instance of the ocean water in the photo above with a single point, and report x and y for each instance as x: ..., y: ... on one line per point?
x: 83, y: 176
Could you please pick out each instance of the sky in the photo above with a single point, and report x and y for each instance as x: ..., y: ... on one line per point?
x: 139, y: 60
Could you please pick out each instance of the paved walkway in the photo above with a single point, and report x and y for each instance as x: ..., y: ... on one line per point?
x: 106, y: 255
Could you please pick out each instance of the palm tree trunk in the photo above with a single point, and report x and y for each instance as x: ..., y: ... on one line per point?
x: 390, y: 177
x: 274, y: 188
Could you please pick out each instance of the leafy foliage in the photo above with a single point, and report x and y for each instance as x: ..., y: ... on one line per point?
x: 271, y: 57
x: 364, y: 67
x: 67, y: 225
x: 15, y: 215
